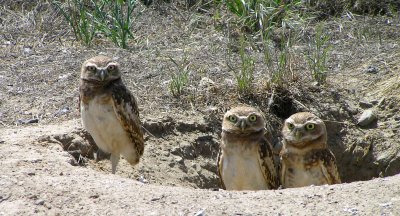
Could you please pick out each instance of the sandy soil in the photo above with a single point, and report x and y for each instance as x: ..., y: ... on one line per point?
x: 47, y: 165
x: 40, y: 180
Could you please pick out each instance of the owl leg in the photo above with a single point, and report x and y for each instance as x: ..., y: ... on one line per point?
x: 114, y: 162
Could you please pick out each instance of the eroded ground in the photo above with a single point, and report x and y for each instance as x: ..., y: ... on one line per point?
x: 51, y: 160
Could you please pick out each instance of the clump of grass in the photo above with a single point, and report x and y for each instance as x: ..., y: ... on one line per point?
x: 337, y: 7
x: 180, y: 78
x: 245, y: 76
x: 115, y: 24
x: 278, y: 60
x: 318, y: 53
x: 79, y: 18
x: 113, y: 18
x: 261, y: 14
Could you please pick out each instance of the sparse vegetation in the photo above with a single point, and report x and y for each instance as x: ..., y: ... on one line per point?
x: 80, y: 19
x: 180, y: 78
x: 318, y: 54
x: 262, y: 14
x: 278, y: 61
x: 116, y: 22
x: 245, y: 75
x: 111, y: 18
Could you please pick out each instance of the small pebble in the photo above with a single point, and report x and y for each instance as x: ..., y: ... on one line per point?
x: 28, y: 121
x: 365, y: 104
x: 62, y: 111
x: 206, y: 82
x: 178, y: 159
x: 367, y: 117
x: 200, y: 213
x: 155, y: 198
x: 142, y: 180
x: 39, y: 202
x: 371, y: 69
x: 94, y: 196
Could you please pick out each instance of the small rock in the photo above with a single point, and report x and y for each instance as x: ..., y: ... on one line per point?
x: 64, y: 77
x: 28, y: 121
x: 47, y: 205
x: 206, y: 82
x: 365, y: 104
x: 374, y: 102
x: 367, y: 117
x: 95, y: 196
x: 142, y: 180
x: 178, y: 159
x: 39, y: 202
x: 62, y: 111
x: 27, y: 50
x: 200, y: 213
x: 32, y: 197
x: 371, y: 69
x: 157, y: 198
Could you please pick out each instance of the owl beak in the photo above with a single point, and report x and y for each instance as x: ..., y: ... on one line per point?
x: 103, y: 75
x: 297, y: 134
x: 242, y: 125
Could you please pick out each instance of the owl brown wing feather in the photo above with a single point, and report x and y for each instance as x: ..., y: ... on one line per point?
x: 326, y: 159
x: 126, y: 109
x: 219, y: 167
x: 267, y: 164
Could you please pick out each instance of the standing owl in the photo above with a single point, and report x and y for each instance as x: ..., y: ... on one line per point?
x: 305, y: 157
x: 109, y: 111
x: 245, y: 159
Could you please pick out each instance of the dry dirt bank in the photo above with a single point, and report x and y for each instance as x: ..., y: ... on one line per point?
x: 38, y: 179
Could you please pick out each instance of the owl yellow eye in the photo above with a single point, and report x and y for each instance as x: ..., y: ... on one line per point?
x: 290, y: 126
x: 310, y: 126
x: 91, y: 68
x: 253, y: 118
x: 232, y: 118
x: 111, y: 67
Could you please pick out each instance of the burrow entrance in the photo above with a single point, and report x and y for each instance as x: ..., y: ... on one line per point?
x: 184, y: 153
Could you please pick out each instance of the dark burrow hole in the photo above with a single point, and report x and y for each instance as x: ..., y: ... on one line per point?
x: 282, y: 105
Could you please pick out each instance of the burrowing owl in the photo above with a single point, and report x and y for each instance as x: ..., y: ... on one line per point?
x: 305, y: 157
x: 245, y: 159
x: 109, y: 111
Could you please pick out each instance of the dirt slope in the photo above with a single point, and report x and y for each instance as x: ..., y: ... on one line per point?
x: 39, y: 180
x: 46, y: 158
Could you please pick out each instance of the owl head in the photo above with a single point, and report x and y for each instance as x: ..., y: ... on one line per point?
x: 100, y: 69
x: 243, y: 120
x: 303, y: 129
